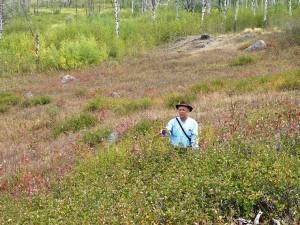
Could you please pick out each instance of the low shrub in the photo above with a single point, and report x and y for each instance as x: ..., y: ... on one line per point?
x: 129, y: 106
x: 95, y: 104
x: 7, y: 100
x: 74, y: 54
x: 37, y: 100
x: 243, y: 60
x: 289, y: 80
x: 93, y: 138
x: 74, y: 124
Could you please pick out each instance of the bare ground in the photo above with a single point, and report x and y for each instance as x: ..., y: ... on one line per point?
x: 26, y: 145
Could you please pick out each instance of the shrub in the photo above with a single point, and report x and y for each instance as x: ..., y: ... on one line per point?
x: 143, y: 127
x: 93, y: 138
x: 243, y: 60
x: 37, y: 100
x: 95, y: 104
x: 130, y: 106
x: 7, y: 100
x: 74, y: 124
x: 74, y: 54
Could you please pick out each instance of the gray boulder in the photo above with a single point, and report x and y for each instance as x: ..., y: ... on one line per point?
x: 258, y: 45
x: 67, y: 78
x: 28, y: 94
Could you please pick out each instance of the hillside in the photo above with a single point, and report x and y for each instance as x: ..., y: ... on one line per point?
x: 59, y: 163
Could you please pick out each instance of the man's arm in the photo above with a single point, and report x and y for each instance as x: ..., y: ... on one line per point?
x: 168, y: 129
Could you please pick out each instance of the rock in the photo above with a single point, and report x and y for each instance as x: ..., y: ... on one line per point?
x: 113, y: 137
x: 115, y: 94
x: 258, y: 45
x: 204, y: 37
x: 28, y: 94
x: 67, y: 78
x: 200, y: 46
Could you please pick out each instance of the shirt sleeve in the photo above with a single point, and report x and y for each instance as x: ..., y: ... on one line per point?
x: 170, y: 126
x: 194, y: 137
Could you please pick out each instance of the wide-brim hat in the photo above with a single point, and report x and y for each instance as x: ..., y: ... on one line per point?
x: 185, y: 105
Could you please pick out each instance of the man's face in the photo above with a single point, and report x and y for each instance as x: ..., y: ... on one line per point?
x: 183, y: 111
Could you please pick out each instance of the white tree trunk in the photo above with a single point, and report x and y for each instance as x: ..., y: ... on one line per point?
x: 237, y: 5
x: 236, y: 10
x: 177, y: 9
x: 208, y: 3
x: 225, y: 8
x: 265, y: 11
x: 1, y: 17
x: 204, y: 5
x: 116, y: 7
x: 153, y: 5
x: 253, y: 7
x: 290, y: 7
x: 132, y: 7
x: 143, y: 6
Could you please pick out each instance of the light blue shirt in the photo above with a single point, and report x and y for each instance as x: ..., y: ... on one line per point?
x: 178, y: 138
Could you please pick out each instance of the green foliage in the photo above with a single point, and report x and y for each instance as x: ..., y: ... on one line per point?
x: 95, y: 104
x: 7, y: 100
x: 172, y: 100
x: 243, y: 60
x: 37, y: 100
x: 74, y: 54
x: 284, y: 81
x: 74, y: 124
x: 143, y: 127
x: 93, y: 138
x: 171, y: 187
x: 87, y: 41
x: 130, y: 106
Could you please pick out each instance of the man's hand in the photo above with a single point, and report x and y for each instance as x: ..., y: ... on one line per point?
x: 163, y: 132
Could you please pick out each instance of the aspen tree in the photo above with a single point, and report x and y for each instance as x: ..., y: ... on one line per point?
x: 290, y: 7
x: 253, y: 6
x: 177, y: 9
x: 1, y: 17
x: 116, y: 7
x: 153, y: 5
x: 265, y: 12
x: 132, y: 7
x: 237, y: 3
x: 204, y: 5
x: 225, y: 8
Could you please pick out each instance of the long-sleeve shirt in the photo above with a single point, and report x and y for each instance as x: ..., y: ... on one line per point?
x: 178, y: 138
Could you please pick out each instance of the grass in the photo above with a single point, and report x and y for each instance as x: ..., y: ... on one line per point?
x: 93, y: 138
x: 36, y: 100
x: 95, y: 104
x: 7, y: 100
x: 243, y: 60
x: 126, y: 107
x: 74, y: 124
x: 119, y: 106
x: 284, y: 81
x: 172, y: 100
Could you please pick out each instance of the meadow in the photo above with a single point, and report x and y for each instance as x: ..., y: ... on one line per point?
x: 89, y: 151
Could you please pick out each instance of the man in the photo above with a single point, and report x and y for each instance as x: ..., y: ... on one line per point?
x: 182, y: 130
